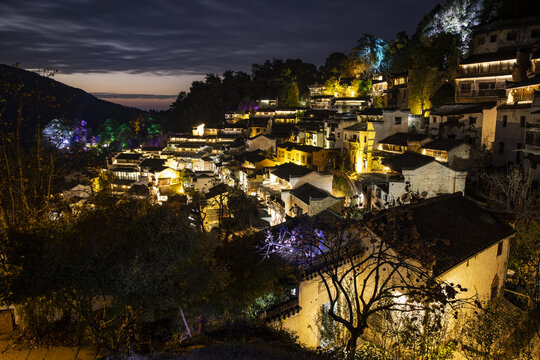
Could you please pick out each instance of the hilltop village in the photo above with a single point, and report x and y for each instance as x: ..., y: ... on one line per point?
x: 339, y: 150
x: 381, y: 204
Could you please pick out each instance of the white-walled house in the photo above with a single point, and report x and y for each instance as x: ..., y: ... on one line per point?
x: 392, y: 121
x: 473, y: 123
x: 288, y: 176
x: 470, y: 246
x: 456, y: 153
x: 422, y: 175
x: 310, y: 200
x: 261, y: 142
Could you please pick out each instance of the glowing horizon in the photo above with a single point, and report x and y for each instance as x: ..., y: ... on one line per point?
x: 142, y: 90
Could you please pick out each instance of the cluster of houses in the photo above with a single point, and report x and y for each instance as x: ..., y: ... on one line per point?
x: 314, y: 160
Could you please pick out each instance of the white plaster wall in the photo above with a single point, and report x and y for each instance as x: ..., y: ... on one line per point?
x: 489, y: 122
x: 435, y: 178
x: 314, y: 178
x: 477, y: 273
x: 388, y: 127
x: 261, y: 143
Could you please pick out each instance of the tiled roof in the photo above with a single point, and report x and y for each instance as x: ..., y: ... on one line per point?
x: 128, y: 156
x: 124, y: 169
x: 261, y: 135
x: 305, y: 148
x: 152, y: 148
x: 443, y: 144
x: 401, y: 138
x: 515, y: 106
x: 535, y: 80
x: 496, y: 56
x: 371, y: 111
x: 152, y: 163
x: 458, y: 109
x: 288, y: 170
x: 454, y: 227
x: 306, y: 192
x: 407, y: 161
x: 252, y: 157
x: 191, y: 145
x: 357, y: 127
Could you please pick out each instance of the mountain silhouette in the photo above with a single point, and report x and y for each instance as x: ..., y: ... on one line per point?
x: 42, y: 99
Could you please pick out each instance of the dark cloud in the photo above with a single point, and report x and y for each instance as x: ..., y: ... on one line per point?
x: 190, y: 36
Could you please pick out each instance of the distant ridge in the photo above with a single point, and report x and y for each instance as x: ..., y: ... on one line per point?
x: 69, y: 102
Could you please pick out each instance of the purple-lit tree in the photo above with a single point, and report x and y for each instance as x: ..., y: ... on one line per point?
x: 368, y: 267
x: 63, y: 134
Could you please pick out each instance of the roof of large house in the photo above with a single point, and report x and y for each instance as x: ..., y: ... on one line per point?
x: 252, y: 157
x: 261, y: 135
x: 514, y: 22
x: 454, y: 228
x: 496, y: 56
x: 190, y: 145
x: 407, y: 161
x: 357, y: 127
x: 352, y: 98
x: 535, y: 80
x: 307, y: 192
x: 401, y: 138
x: 124, y: 169
x: 515, y: 106
x: 305, y: 148
x: 288, y: 170
x: 443, y: 144
x: 322, y: 97
x: 459, y: 109
x: 128, y: 156
x: 370, y: 111
x: 152, y: 148
x: 152, y: 163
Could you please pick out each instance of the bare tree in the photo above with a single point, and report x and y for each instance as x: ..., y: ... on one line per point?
x: 369, y: 267
x: 513, y: 189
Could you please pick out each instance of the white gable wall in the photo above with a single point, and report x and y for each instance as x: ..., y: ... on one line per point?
x: 434, y: 178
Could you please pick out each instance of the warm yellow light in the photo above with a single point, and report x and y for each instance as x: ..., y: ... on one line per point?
x: 424, y: 152
x: 200, y: 130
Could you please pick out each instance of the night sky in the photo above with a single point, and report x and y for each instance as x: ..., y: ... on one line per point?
x: 159, y: 47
